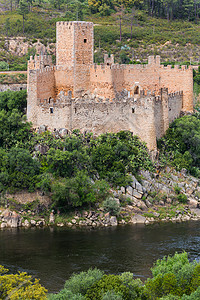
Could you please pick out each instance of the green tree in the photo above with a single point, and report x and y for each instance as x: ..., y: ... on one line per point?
x: 20, y: 286
x: 23, y: 10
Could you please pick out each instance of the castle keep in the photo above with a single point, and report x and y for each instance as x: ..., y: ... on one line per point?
x: 78, y: 94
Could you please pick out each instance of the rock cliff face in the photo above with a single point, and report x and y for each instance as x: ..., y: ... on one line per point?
x: 20, y: 46
x: 165, y: 196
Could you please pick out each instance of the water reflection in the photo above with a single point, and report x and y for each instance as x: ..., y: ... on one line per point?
x: 53, y: 254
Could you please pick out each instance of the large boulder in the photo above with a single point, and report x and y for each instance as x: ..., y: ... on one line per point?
x: 138, y: 219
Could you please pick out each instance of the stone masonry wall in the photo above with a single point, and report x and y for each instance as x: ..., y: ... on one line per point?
x: 175, y: 106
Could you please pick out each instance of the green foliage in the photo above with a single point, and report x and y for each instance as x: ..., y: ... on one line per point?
x: 65, y: 294
x: 19, y: 170
x: 108, y: 283
x: 3, y: 65
x: 111, y: 295
x: 182, y: 198
x: 80, y: 283
x: 135, y: 286
x: 111, y: 206
x: 115, y: 155
x: 181, y: 144
x: 172, y: 275
x: 20, y: 286
x: 177, y: 189
x: 193, y: 296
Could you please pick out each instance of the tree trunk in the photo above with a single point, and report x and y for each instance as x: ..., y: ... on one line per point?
x: 168, y: 12
x: 23, y: 24
x: 120, y: 28
x: 132, y: 18
x: 11, y: 5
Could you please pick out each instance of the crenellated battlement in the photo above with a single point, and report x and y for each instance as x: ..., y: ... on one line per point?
x: 44, y: 70
x: 78, y: 94
x: 39, y: 62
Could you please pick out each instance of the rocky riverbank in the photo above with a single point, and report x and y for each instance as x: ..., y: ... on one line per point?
x: 152, y: 197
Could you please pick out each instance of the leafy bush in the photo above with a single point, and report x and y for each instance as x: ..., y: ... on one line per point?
x: 182, y: 198
x: 111, y: 295
x: 181, y: 143
x: 20, y: 286
x: 80, y: 283
x: 108, y: 283
x: 111, y: 205
x: 171, y: 275
x: 4, y: 65
x: 65, y: 294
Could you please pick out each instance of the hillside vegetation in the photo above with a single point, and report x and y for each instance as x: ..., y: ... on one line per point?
x: 131, y: 30
x: 76, y: 169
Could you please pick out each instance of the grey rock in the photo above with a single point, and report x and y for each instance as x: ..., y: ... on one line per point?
x: 146, y: 184
x: 123, y: 190
x: 73, y: 221
x: 26, y: 223
x: 137, y: 195
x: 138, y: 219
x: 148, y: 203
x: 157, y: 215
x: 192, y: 203
x: 42, y: 129
x: 129, y: 190
x: 139, y: 187
x: 174, y: 178
x: 195, y: 212
x: 134, y: 181
x: 117, y: 200
x: 113, y: 221
x: 41, y: 148
x: 63, y: 132
x: 3, y: 225
x: 33, y: 223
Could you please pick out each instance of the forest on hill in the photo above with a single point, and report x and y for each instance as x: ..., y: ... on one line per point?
x: 130, y: 29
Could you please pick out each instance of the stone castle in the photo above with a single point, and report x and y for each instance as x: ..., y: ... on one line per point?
x: 78, y: 94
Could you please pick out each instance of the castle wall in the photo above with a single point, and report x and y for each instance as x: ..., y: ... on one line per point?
x: 101, y: 81
x: 65, y: 44
x: 175, y: 106
x: 159, y: 126
x: 45, y: 83
x: 179, y: 80
x: 113, y: 116
x: 83, y: 55
x: 41, y: 88
x: 64, y: 80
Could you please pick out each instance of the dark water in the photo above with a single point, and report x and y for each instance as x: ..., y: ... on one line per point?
x: 53, y: 254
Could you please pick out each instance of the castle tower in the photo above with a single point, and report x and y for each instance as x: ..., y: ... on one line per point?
x: 74, y: 49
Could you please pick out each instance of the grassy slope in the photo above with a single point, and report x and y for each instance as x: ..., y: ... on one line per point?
x: 174, y: 41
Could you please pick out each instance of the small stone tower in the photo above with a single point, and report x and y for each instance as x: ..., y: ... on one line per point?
x: 74, y: 50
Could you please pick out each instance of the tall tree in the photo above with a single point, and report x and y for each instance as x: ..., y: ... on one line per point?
x: 23, y: 10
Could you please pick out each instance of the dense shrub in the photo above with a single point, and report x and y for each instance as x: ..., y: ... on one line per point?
x: 108, y: 283
x: 112, y: 206
x: 20, y: 286
x: 81, y: 282
x: 181, y: 144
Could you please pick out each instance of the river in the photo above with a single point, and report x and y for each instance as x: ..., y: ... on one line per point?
x: 53, y: 254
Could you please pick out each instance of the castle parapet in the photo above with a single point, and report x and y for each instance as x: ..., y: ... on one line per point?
x: 39, y: 62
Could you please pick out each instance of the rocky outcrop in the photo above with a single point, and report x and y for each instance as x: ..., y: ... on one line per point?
x: 12, y: 219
